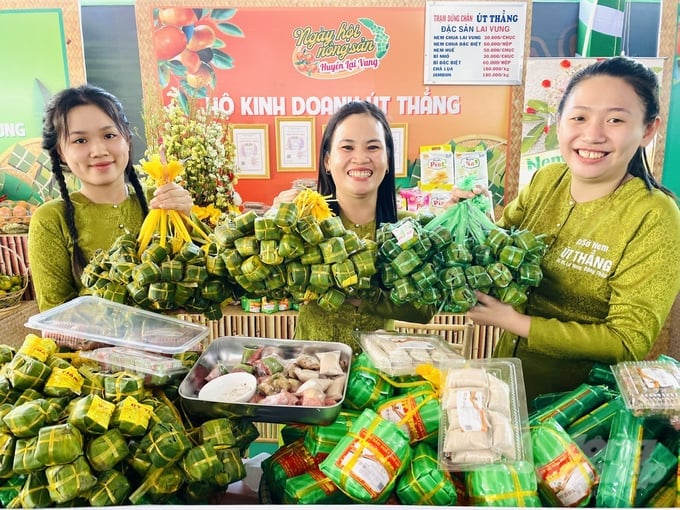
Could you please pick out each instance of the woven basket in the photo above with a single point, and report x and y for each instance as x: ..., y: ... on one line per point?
x: 12, y: 265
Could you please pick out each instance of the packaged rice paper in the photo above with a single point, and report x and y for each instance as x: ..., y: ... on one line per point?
x: 366, y: 463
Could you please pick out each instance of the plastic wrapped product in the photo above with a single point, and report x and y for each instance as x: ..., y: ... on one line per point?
x: 566, y: 477
x: 619, y: 475
x: 286, y: 462
x: 319, y: 440
x: 591, y: 430
x: 656, y: 470
x: 504, y: 485
x: 574, y: 404
x: 424, y: 483
x: 417, y: 413
x: 366, y: 463
x: 313, y: 488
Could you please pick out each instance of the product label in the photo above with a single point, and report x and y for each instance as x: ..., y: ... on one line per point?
x: 655, y: 378
x: 100, y: 411
x: 568, y: 477
x: 68, y: 378
x: 131, y: 411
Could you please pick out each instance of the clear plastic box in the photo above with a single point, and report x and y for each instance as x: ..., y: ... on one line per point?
x: 398, y: 354
x: 484, y: 418
x: 101, y: 321
x: 156, y: 369
x: 649, y: 388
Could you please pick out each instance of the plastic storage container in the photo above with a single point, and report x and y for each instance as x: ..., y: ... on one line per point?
x: 484, y: 417
x: 94, y: 320
x: 156, y: 369
x: 398, y: 354
x: 649, y: 388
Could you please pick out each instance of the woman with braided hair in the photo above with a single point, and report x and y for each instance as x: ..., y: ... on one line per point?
x: 86, y: 133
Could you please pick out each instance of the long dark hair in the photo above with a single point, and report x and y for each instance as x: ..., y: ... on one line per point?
x: 386, y: 208
x: 646, y: 85
x: 55, y: 129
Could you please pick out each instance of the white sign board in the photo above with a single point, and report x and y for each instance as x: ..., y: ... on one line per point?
x: 474, y: 43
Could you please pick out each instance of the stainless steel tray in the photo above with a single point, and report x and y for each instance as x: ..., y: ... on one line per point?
x: 228, y: 351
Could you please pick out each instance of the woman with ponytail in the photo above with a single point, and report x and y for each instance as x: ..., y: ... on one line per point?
x: 85, y: 132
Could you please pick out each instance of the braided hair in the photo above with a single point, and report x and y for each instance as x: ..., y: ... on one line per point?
x: 386, y: 208
x: 55, y: 130
x: 646, y: 85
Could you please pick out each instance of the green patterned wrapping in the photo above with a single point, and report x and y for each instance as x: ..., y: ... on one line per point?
x: 574, y: 404
x: 190, y: 253
x: 389, y: 249
x: 592, y: 429
x: 197, y: 493
x: 225, y: 235
x: 312, y: 255
x: 332, y: 227
x: 9, y: 489
x: 291, y: 246
x: 503, y: 485
x: 66, y: 482
x: 566, y: 477
x: 233, y: 260
x: 115, y: 292
x: 321, y: 439
x: 622, y: 460
x: 286, y: 215
x: 165, y: 443
x: 34, y: 493
x: 162, y: 483
x: 201, y: 463
x: 344, y: 274
x: 7, y: 444
x: 511, y: 256
x: 8, y: 397
x: 110, y: 489
x: 276, y: 278
x: 254, y: 269
x: 245, y: 222
x: 406, y: 262
x: 656, y: 470
x: 105, y: 451
x: 183, y: 292
x: 218, y: 431
x: 416, y: 412
x: 331, y: 300
x: 388, y: 275
x: 247, y: 245
x: 403, y: 291
x: 266, y: 229
x: 430, y: 296
x: 365, y: 385
x: 500, y: 274
x: 123, y: 384
x: 425, y: 277
x: 26, y: 419
x: 478, y: 278
x: 353, y: 243
x: 423, y: 482
x: 514, y: 294
x: 452, y: 277
x: 440, y: 236
x: 288, y: 461
x: 601, y: 374
x: 461, y: 299
x: 251, y: 287
x: 320, y: 276
x: 422, y: 246
x: 214, y: 290
x: 483, y: 255
x: 146, y: 273
x: 333, y: 250
x: 6, y: 353
x: 497, y: 239
x: 25, y: 372
x: 366, y: 462
x: 172, y: 271
x: 24, y: 456
x: 292, y: 432
x: 309, y: 229
x: 121, y: 272
x: 194, y: 273
x: 154, y: 253
x: 91, y: 414
x: 58, y: 444
x: 269, y: 253
x: 529, y: 274
x: 161, y: 292
x: 364, y: 263
x: 232, y: 469
x: 313, y: 488
x: 138, y: 460
x: 297, y: 274
x: 457, y: 254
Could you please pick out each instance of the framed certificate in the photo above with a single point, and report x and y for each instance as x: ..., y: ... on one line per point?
x: 252, y: 150
x: 400, y: 137
x: 295, y: 144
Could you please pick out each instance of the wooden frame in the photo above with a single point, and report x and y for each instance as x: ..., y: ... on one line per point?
x: 252, y: 150
x: 295, y: 144
x: 400, y: 138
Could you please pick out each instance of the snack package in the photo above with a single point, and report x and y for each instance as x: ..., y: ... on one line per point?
x: 436, y: 167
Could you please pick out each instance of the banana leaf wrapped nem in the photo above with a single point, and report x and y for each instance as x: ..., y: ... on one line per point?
x: 7, y: 444
x: 291, y: 246
x: 121, y: 385
x: 497, y: 239
x: 529, y: 274
x: 154, y: 253
x: 286, y: 215
x: 232, y: 468
x: 24, y: 456
x: 404, y: 291
x: 269, y: 252
x: 165, y: 443
x: 172, y: 271
x: 452, y: 277
x: 266, y: 229
x: 478, y: 278
x: 8, y: 396
x: 214, y: 290
x: 233, y: 261
x: 105, y: 451
x: 309, y: 229
x: 320, y: 276
x: 66, y: 482
x: 344, y: 274
x: 514, y: 294
x: 25, y: 372
x: 423, y: 483
x: 34, y: 493
x: 162, y: 292
x: 406, y: 262
x: 245, y: 222
x: 276, y: 278
x: 389, y: 249
x: 331, y: 300
x: 483, y: 255
x: 254, y: 269
x: 91, y: 414
x: 58, y: 444
x: 63, y: 382
x: 297, y: 274
x: 9, y: 489
x: 183, y: 292
x: 364, y: 263
x: 500, y: 274
x: 457, y: 254
x: 311, y: 255
x: 388, y: 275
x: 110, y: 489
x: 190, y: 253
x: 439, y: 236
x: 353, y: 243
x: 7, y: 352
x: 247, y: 245
x: 332, y: 227
x: 461, y: 300
x: 217, y: 431
x: 511, y: 256
x: 201, y: 463
x: 146, y: 273
x: 26, y: 419
x: 194, y: 273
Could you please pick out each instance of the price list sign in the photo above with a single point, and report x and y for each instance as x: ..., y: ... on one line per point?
x: 474, y: 43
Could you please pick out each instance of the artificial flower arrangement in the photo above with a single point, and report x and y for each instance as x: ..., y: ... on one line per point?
x: 201, y: 139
